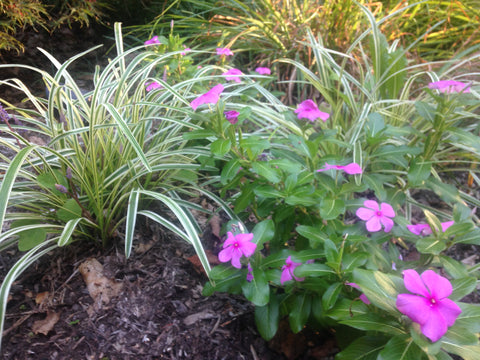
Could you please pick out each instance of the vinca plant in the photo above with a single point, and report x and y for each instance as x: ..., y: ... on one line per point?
x: 327, y: 193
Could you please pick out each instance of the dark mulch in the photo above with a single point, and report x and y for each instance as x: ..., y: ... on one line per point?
x: 159, y: 314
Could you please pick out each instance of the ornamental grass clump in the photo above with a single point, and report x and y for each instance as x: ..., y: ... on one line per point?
x: 332, y: 204
x: 108, y: 154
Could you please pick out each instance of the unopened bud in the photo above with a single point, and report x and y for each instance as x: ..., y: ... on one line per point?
x: 61, y: 188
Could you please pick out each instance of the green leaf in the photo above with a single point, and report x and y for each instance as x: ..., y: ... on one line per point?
x: 419, y: 171
x: 301, y: 311
x: 331, y: 208
x: 380, y: 288
x: 346, y: 309
x: 430, y: 245
x: 69, y: 211
x: 267, y: 318
x: 311, y: 233
x: 254, y: 145
x: 425, y: 110
x: 374, y: 322
x: 28, y: 239
x: 314, y: 270
x: 263, y: 169
x: 220, y: 147
x: 469, y: 318
x: 263, y: 232
x: 364, y: 348
x: 330, y: 296
x: 400, y: 347
x: 229, y: 171
x: 463, y: 287
x: 198, y: 134
x: 351, y: 261
x: 268, y: 191
x: 257, y: 291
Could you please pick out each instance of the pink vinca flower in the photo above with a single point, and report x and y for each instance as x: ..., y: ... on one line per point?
x: 231, y: 116
x: 235, y: 247
x: 309, y: 110
x: 425, y: 229
x: 288, y: 269
x: 450, y: 86
x: 263, y: 70
x: 362, y: 297
x: 224, y: 51
x: 351, y: 169
x: 429, y: 307
x: 153, y: 85
x: 232, y: 75
x: 376, y: 215
x: 153, y: 41
x: 210, y: 97
x: 185, y: 50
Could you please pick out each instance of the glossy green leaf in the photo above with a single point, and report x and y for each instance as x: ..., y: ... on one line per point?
x: 419, y: 171
x: 363, y: 348
x: 263, y: 169
x: 229, y: 171
x: 374, y: 322
x: 257, y: 291
x: 300, y: 312
x: 331, y: 295
x: 331, y: 207
x: 401, y: 347
x: 263, y: 232
x: 69, y: 211
x: 267, y: 318
x: 220, y: 147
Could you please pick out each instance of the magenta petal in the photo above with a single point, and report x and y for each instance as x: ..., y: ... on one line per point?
x: 417, y: 308
x: 414, y: 283
x: 435, y: 326
x: 450, y: 310
x: 439, y: 286
x: 286, y: 275
x: 387, y: 223
x: 248, y: 248
x: 236, y: 255
x: 420, y: 229
x: 364, y: 299
x: 387, y: 210
x: 373, y: 225
x: 371, y: 204
x: 446, y: 225
x: 352, y: 169
x: 225, y: 255
x: 364, y: 213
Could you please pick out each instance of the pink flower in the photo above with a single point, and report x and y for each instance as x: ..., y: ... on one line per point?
x: 153, y: 85
x: 450, y: 86
x: 210, y: 97
x: 429, y: 307
x: 232, y: 75
x: 288, y: 269
x: 362, y: 297
x: 309, y: 110
x: 425, y: 229
x: 224, y: 51
x: 249, y: 273
x: 184, y: 52
x: 263, y: 70
x: 376, y: 215
x: 351, y: 169
x: 154, y: 40
x: 232, y: 116
x: 235, y: 247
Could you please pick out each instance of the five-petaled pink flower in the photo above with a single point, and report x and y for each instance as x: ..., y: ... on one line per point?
x: 376, y: 215
x: 351, y: 169
x: 288, y: 269
x: 235, y: 247
x: 154, y: 40
x: 210, y: 97
x: 224, y: 51
x: 309, y: 110
x: 231, y: 116
x: 429, y: 307
x: 263, y: 70
x: 153, y: 85
x: 232, y: 75
x: 362, y: 297
x: 425, y: 229
x: 450, y: 86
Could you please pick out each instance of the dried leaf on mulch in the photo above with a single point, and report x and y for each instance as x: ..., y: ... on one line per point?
x: 46, y: 325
